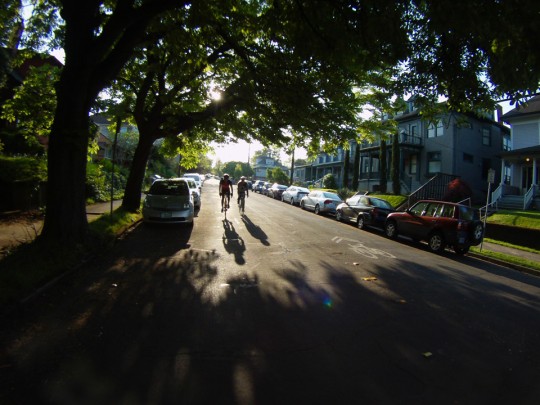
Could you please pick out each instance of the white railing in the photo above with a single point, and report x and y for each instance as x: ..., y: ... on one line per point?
x: 529, y: 195
x: 496, y: 195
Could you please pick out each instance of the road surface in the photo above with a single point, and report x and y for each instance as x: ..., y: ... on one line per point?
x: 278, y: 306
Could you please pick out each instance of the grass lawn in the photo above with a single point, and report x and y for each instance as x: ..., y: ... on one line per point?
x: 522, y: 219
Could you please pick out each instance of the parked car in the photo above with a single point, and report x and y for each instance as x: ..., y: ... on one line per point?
x: 265, y: 187
x: 250, y: 185
x: 169, y: 201
x: 196, y: 177
x: 294, y: 194
x: 321, y: 202
x: 364, y: 210
x: 257, y: 186
x: 439, y: 223
x: 195, y: 192
x: 276, y: 190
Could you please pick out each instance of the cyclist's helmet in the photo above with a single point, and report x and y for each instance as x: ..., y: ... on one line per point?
x: 243, y: 178
x: 225, y: 176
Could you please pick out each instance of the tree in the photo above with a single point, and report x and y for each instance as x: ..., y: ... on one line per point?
x: 277, y: 175
x: 383, y: 169
x: 443, y: 53
x: 356, y: 166
x: 396, y: 183
x: 346, y: 168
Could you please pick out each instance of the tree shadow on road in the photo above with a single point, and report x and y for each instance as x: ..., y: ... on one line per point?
x: 167, y: 325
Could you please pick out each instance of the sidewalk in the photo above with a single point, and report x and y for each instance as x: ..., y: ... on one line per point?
x: 21, y: 227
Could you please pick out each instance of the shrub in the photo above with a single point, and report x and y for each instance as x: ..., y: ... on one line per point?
x: 329, y: 181
x: 457, y: 190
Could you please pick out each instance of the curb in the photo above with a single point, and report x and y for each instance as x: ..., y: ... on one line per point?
x: 503, y: 263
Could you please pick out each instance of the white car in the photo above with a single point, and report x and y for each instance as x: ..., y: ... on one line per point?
x: 196, y: 177
x: 195, y: 192
x: 169, y: 201
x: 321, y: 202
x: 294, y: 194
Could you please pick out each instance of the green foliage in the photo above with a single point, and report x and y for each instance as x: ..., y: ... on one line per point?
x: 34, y: 102
x: 236, y: 169
x: 329, y: 181
x: 22, y: 169
x: 277, y: 175
x: 393, y: 199
x: 100, y: 179
x: 345, y: 193
x: 522, y: 219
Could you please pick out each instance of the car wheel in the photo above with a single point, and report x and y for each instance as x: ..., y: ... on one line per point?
x: 338, y: 216
x: 360, y: 222
x: 478, y: 232
x: 317, y: 210
x: 436, y: 242
x: 461, y: 250
x: 390, y: 229
x: 292, y: 201
x: 302, y: 205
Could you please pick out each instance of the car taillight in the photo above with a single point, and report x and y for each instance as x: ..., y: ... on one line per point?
x: 327, y: 202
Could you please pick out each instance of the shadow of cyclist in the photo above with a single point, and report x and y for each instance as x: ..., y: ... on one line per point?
x: 255, y: 230
x: 233, y: 243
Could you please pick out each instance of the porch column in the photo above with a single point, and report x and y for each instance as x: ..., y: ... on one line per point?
x: 502, y: 171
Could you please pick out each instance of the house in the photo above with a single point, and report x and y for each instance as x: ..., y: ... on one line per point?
x: 106, y: 139
x: 263, y: 163
x: 458, y: 145
x: 520, y: 162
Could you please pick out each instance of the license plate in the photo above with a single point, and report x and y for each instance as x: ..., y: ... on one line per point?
x: 165, y: 215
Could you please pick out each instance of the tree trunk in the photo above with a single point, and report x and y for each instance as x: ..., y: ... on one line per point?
x: 65, y: 219
x: 383, y: 171
x: 356, y: 167
x: 346, y: 169
x: 132, y: 193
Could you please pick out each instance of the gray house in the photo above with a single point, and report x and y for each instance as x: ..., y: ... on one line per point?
x: 460, y: 145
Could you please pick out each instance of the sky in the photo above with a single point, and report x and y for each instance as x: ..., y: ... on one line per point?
x: 243, y: 152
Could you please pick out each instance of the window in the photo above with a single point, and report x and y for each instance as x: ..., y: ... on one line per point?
x: 486, y: 137
x: 467, y: 157
x: 413, y: 164
x: 506, y: 143
x: 434, y: 162
x: 435, y: 129
x: 414, y: 130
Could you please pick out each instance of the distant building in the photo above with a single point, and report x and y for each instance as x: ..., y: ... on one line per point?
x: 263, y: 163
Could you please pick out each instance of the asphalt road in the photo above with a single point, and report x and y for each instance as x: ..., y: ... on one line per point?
x: 278, y: 306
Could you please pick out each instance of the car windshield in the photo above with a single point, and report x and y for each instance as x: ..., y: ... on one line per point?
x: 169, y: 188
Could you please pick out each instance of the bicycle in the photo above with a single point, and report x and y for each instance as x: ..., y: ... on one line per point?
x: 225, y: 198
x: 242, y: 202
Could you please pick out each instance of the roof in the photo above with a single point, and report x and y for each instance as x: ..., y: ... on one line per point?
x: 531, y: 151
x: 531, y: 107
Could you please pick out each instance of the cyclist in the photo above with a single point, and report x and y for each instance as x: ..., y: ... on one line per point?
x: 225, y: 190
x: 242, y: 189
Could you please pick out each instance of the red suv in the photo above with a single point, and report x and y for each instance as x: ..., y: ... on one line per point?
x: 440, y: 223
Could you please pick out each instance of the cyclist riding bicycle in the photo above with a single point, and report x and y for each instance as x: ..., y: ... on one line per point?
x: 242, y: 189
x: 225, y: 190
